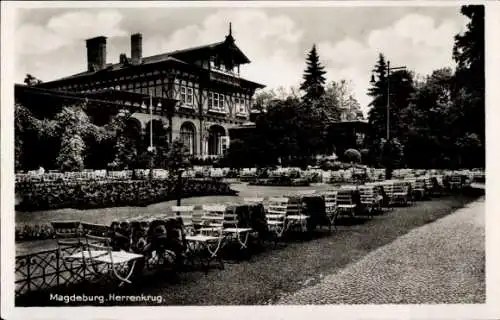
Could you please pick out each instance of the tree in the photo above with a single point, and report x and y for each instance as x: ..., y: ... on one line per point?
x: 31, y: 80
x: 73, y: 125
x: 177, y: 161
x: 468, y: 52
x: 341, y: 101
x: 314, y: 77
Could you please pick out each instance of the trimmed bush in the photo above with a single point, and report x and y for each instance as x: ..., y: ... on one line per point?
x: 102, y: 194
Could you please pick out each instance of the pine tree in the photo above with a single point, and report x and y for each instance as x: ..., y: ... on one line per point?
x: 314, y: 77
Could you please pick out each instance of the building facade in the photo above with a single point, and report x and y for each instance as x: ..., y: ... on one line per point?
x: 196, y: 94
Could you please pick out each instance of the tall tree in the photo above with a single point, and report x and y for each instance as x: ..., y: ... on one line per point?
x: 314, y: 77
x: 468, y: 52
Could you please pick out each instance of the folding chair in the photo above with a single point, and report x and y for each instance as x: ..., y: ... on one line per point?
x: 185, y: 213
x: 331, y: 211
x: 294, y: 216
x: 232, y: 229
x: 420, y: 191
x: 345, y: 202
x: 400, y: 193
x: 119, y: 264
x: 370, y: 199
x: 276, y: 217
x: 70, y: 240
x: 455, y: 182
x: 388, y: 187
x: 209, y: 240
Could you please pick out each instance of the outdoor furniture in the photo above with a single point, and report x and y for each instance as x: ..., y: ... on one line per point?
x: 420, y: 191
x: 276, y: 217
x: 455, y: 182
x: 294, y: 213
x: 345, y: 202
x: 185, y: 213
x: 69, y: 242
x: 99, y: 251
x: 331, y: 209
x: 388, y: 186
x: 401, y: 193
x: 370, y: 198
x: 206, y: 244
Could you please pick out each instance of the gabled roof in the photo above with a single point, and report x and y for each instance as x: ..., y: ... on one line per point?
x: 175, y: 56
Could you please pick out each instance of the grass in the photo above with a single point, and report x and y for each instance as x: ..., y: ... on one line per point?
x: 274, y: 272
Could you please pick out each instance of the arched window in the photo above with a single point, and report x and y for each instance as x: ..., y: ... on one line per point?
x: 188, y: 137
x: 215, y: 140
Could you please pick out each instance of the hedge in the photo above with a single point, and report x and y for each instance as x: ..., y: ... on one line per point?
x: 32, y: 196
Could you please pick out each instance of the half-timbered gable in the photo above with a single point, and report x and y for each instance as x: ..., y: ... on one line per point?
x: 197, y: 92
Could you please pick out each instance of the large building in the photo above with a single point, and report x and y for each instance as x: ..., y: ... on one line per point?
x: 196, y: 94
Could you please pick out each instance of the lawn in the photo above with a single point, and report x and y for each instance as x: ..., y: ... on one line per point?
x: 273, y: 272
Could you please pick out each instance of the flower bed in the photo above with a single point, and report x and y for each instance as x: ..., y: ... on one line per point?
x: 102, y: 194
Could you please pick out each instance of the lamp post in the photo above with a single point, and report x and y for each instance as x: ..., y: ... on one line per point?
x: 151, y: 148
x: 388, y: 171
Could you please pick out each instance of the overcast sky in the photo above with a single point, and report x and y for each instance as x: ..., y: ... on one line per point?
x: 50, y: 42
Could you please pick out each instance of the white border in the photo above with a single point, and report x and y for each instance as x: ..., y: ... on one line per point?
x: 490, y: 310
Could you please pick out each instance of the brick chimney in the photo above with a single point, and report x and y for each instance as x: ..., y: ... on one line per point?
x: 136, y: 48
x: 96, y: 53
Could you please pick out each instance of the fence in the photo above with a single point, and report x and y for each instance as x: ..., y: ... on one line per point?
x: 43, y: 270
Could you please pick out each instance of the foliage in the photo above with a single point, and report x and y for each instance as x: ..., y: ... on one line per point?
x: 31, y: 80
x: 314, y: 77
x: 177, y: 158
x: 341, y: 101
x: 352, y: 155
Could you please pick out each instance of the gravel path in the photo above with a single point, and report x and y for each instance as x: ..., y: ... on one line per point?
x: 441, y: 262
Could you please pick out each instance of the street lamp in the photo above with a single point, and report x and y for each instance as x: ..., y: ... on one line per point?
x: 388, y: 76
x: 151, y: 148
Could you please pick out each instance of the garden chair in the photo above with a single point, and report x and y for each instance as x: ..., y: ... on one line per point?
x: 420, y: 191
x: 331, y: 209
x: 119, y: 265
x: 345, y: 202
x: 370, y: 199
x: 276, y: 217
x: 207, y: 243
x: 455, y: 182
x: 185, y: 213
x: 294, y: 216
x: 255, y: 200
x: 388, y: 187
x: 401, y: 193
x: 233, y: 231
x: 70, y: 240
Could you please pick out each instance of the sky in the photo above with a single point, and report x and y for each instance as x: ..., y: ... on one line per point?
x: 50, y: 42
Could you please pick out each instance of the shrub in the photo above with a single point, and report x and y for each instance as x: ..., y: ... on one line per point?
x: 352, y: 155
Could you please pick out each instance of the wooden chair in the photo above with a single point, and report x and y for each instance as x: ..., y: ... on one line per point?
x: 234, y: 231
x: 345, y: 203
x: 99, y: 251
x: 294, y: 216
x: 70, y: 240
x: 455, y: 182
x: 400, y: 193
x: 420, y: 191
x: 388, y: 187
x: 185, y: 213
x: 331, y: 209
x: 206, y: 243
x: 370, y: 199
x: 276, y: 217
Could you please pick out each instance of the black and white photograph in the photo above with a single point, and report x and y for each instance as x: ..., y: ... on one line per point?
x: 211, y: 154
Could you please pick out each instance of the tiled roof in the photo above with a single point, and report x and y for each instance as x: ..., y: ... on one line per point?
x: 169, y: 56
